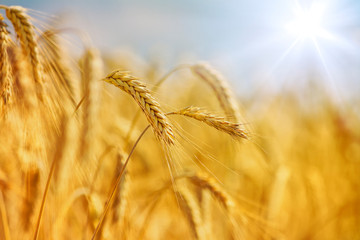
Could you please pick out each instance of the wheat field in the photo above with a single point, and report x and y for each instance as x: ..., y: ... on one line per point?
x: 103, y: 147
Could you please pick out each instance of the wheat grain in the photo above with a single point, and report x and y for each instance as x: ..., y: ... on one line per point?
x: 233, y: 129
x: 150, y: 107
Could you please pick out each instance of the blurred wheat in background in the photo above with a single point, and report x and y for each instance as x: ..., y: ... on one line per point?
x: 77, y: 160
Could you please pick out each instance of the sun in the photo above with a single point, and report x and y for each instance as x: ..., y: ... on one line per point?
x: 308, y: 22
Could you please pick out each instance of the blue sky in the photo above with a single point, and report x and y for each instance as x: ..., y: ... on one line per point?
x: 246, y: 39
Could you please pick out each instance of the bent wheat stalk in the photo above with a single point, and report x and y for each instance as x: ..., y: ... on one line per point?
x: 233, y: 129
x: 150, y: 107
x: 220, y: 87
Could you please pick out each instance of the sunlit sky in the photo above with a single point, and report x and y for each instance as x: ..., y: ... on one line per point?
x: 256, y: 43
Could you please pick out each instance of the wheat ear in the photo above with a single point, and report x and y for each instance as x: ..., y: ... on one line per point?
x: 5, y: 67
x: 91, y: 72
x: 58, y: 62
x: 219, y: 85
x: 150, y: 107
x: 233, y: 129
x: 25, y: 32
x: 205, y: 182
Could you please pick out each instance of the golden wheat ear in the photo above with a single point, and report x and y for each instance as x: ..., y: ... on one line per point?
x: 150, y: 107
x: 233, y: 129
x: 26, y: 35
x: 6, y: 82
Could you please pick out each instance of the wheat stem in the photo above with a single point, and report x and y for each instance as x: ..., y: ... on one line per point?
x: 4, y: 217
x: 116, y: 185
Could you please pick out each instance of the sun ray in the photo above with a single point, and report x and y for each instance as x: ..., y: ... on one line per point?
x: 285, y: 54
x: 329, y: 77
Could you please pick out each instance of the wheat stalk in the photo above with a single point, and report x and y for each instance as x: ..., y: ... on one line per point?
x: 4, y: 217
x: 189, y: 206
x: 150, y: 107
x: 25, y: 32
x: 233, y: 129
x: 219, y: 85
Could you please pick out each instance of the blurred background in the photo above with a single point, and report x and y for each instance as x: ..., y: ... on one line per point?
x: 295, y: 66
x: 258, y: 45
